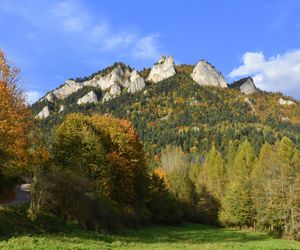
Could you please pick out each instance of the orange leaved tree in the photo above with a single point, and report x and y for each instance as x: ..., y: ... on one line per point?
x: 14, y: 120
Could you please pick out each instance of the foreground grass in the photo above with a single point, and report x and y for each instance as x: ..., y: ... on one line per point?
x: 190, y: 236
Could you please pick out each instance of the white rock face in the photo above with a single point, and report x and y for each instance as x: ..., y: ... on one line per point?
x: 49, y: 97
x: 115, y: 80
x: 106, y: 97
x: 90, y: 97
x: 282, y: 101
x: 116, y: 76
x: 248, y: 87
x: 206, y: 74
x: 68, y: 88
x: 44, y: 113
x: 137, y: 82
x: 164, y: 69
x: 61, y: 108
x: 115, y: 90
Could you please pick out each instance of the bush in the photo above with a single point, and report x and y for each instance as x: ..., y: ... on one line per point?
x: 74, y: 198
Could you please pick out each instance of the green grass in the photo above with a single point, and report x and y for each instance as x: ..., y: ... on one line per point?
x: 189, y: 236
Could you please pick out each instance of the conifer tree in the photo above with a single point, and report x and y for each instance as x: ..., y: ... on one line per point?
x: 237, y: 205
x: 213, y: 174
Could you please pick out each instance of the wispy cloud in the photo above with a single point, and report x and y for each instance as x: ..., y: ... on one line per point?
x: 100, y: 35
x: 146, y: 47
x: 32, y: 96
x: 277, y: 73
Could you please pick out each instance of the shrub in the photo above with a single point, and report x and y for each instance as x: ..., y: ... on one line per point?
x: 73, y: 198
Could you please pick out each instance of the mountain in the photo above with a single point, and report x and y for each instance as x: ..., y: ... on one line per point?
x: 190, y: 106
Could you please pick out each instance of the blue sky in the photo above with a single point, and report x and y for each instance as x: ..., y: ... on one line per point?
x: 54, y: 40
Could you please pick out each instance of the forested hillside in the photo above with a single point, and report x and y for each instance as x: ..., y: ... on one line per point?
x: 177, y: 111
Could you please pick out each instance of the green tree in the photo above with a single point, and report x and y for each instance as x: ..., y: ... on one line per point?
x: 107, y: 151
x: 213, y: 174
x: 237, y: 205
x: 177, y: 173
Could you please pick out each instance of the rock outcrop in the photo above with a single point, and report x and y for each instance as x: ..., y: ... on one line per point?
x: 115, y: 90
x: 137, y: 82
x: 61, y: 108
x: 44, y: 113
x: 248, y: 87
x: 118, y: 78
x: 65, y: 90
x: 245, y: 85
x: 205, y: 74
x: 163, y: 69
x: 90, y: 97
x: 282, y: 101
x: 106, y: 97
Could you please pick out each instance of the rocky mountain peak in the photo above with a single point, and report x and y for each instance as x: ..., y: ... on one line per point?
x: 163, y: 69
x: 205, y: 74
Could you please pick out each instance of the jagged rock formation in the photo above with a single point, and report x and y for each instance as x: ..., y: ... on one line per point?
x: 90, y: 97
x: 163, y: 69
x: 245, y: 85
x: 205, y: 74
x: 45, y: 112
x: 115, y: 90
x: 68, y: 88
x: 113, y: 81
x: 282, y: 101
x: 137, y: 82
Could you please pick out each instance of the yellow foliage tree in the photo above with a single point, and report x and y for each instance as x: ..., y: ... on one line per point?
x: 15, y: 120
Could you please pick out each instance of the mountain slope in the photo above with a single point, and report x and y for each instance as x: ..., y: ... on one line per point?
x: 179, y: 111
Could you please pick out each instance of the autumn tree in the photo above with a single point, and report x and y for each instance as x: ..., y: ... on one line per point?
x: 267, y: 190
x: 107, y: 151
x: 177, y: 172
x: 213, y: 174
x: 15, y: 120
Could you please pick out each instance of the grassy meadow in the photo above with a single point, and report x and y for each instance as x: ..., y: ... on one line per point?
x: 18, y: 232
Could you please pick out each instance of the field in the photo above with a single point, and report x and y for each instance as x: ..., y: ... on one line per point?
x: 189, y: 236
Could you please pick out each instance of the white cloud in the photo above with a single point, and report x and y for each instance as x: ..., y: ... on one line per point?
x: 101, y: 36
x: 104, y: 38
x: 278, y: 73
x: 32, y: 96
x: 146, y: 48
